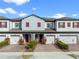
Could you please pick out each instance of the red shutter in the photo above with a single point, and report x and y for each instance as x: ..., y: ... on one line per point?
x: 73, y: 25
x: 6, y: 24
x: 27, y: 24
x: 39, y: 24
x: 0, y: 24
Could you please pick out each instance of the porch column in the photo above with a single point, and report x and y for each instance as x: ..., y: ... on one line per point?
x: 32, y: 36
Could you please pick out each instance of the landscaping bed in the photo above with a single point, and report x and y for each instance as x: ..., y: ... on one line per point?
x: 61, y: 45
x: 4, y: 43
x: 26, y: 56
x: 31, y: 45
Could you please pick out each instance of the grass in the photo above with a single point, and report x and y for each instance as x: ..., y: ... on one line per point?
x: 26, y: 56
x: 72, y: 55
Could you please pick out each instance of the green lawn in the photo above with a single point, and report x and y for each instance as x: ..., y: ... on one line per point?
x: 26, y: 56
x: 72, y: 55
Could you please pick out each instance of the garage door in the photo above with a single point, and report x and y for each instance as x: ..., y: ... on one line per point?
x: 68, y: 39
x: 2, y: 37
x: 50, y: 39
x: 14, y: 39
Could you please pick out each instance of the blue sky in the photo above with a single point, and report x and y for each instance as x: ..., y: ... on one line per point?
x: 47, y: 8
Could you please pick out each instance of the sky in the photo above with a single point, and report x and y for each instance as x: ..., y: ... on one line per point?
x: 44, y: 8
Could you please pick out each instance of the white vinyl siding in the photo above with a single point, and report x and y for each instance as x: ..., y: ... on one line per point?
x: 33, y: 24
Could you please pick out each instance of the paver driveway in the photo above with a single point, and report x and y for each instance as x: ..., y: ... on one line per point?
x: 46, y: 48
x: 74, y: 47
x: 13, y: 48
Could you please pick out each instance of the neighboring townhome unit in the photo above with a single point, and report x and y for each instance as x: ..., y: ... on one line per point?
x: 37, y: 28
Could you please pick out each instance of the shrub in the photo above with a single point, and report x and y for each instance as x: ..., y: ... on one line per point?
x: 7, y: 40
x: 31, y: 44
x: 44, y: 41
x: 21, y: 42
x: 61, y: 45
x: 4, y: 43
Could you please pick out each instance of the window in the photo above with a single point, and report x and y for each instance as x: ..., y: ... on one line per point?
x: 48, y: 25
x: 3, y: 24
x: 17, y: 24
x: 27, y: 24
x: 68, y: 24
x: 61, y: 24
x: 39, y: 24
x: 75, y: 24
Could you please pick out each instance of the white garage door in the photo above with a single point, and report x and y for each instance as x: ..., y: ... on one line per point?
x: 68, y: 39
x: 2, y: 37
x: 14, y: 39
x: 50, y: 39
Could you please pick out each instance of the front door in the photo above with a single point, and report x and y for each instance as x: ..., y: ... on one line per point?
x: 27, y: 37
x: 41, y: 36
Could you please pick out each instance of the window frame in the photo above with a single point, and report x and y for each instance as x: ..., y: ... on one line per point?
x: 75, y: 24
x: 27, y: 24
x: 3, y: 24
x: 68, y: 24
x: 39, y: 24
x: 61, y: 26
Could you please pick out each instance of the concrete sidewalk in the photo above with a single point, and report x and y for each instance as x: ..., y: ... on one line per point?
x: 50, y: 56
x: 11, y: 55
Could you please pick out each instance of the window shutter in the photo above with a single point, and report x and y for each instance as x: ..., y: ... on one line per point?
x: 39, y: 24
x: 0, y: 24
x: 27, y: 24
x: 6, y: 24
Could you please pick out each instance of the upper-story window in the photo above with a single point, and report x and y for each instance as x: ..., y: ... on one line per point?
x: 75, y: 24
x: 27, y: 24
x: 61, y: 25
x: 68, y: 24
x: 39, y: 24
x: 48, y: 25
x: 17, y: 25
x: 3, y: 24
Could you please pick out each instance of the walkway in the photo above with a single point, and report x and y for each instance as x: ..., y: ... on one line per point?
x: 46, y: 48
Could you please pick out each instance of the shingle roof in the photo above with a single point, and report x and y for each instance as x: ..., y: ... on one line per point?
x: 67, y: 19
x: 43, y: 18
x: 48, y: 19
x: 4, y: 18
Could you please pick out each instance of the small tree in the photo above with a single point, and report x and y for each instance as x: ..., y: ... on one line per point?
x: 21, y: 41
x: 7, y: 40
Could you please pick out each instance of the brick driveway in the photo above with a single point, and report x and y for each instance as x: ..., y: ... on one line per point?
x: 46, y: 48
x: 13, y: 48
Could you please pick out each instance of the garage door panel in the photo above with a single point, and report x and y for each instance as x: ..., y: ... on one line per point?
x: 50, y: 39
x: 68, y: 39
x: 14, y: 39
x: 2, y: 37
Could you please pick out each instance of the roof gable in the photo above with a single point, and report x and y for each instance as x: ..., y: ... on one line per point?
x: 34, y: 16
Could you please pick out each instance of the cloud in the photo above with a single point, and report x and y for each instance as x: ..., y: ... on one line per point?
x: 3, y: 11
x: 34, y: 9
x: 74, y: 15
x: 22, y: 14
x: 10, y: 10
x: 17, y: 2
x: 59, y: 15
x: 7, y: 10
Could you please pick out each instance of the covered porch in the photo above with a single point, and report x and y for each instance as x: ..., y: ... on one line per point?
x: 32, y: 36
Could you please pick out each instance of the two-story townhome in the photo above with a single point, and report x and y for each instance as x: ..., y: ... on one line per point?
x: 33, y: 27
